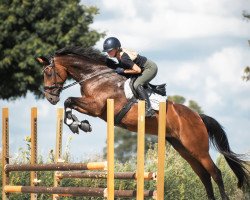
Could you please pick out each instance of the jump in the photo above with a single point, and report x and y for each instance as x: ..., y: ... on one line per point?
x: 188, y: 132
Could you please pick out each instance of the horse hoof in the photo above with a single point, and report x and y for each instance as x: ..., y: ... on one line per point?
x: 74, y: 127
x: 85, y: 126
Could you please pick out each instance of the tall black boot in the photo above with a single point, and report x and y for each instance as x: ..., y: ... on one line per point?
x: 144, y: 96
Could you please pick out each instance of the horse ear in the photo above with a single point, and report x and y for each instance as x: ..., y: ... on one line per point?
x: 42, y: 60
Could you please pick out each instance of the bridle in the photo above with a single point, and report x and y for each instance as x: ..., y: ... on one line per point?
x: 59, y: 85
x: 56, y: 85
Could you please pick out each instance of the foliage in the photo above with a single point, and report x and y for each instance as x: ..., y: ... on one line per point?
x: 246, y: 76
x: 191, y: 103
x: 230, y: 181
x: 246, y: 14
x: 126, y: 144
x: 177, y: 99
x: 38, y: 27
x: 180, y: 180
x: 194, y: 106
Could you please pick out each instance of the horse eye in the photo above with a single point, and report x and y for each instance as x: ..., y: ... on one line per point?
x: 48, y: 71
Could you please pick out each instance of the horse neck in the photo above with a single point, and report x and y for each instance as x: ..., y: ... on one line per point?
x: 79, y: 68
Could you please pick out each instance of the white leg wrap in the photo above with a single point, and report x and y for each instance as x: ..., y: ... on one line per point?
x: 69, y: 121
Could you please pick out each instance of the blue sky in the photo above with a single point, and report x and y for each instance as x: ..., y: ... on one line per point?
x: 200, y: 48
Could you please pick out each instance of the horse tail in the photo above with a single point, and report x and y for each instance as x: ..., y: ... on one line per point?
x: 219, y: 140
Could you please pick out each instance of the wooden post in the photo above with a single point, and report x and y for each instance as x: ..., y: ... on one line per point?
x: 5, y: 150
x: 161, y: 150
x: 110, y: 148
x: 140, y: 150
x: 58, y: 150
x: 103, y: 175
x: 33, y: 150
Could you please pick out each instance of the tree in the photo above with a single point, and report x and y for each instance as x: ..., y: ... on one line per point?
x: 194, y: 106
x: 246, y: 14
x: 177, y: 99
x: 126, y: 144
x: 191, y: 103
x: 36, y: 27
x: 180, y: 180
x: 246, y: 75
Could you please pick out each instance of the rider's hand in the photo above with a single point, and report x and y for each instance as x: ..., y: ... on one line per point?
x: 119, y: 70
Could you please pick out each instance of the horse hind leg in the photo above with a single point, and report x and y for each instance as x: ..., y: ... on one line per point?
x: 215, y: 172
x: 196, y: 166
x: 199, y: 150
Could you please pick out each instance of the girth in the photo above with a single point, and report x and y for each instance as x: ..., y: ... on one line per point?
x: 119, y: 116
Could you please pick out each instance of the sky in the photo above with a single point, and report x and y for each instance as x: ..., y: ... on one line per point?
x: 201, y: 48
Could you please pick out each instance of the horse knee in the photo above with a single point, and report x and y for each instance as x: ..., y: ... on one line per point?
x: 68, y: 102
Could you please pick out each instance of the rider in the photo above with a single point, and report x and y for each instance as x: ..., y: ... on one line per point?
x: 133, y: 63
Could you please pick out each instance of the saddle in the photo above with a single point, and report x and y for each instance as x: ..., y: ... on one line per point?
x: 150, y: 89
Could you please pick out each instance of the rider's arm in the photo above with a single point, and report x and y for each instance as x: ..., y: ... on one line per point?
x: 129, y: 66
x: 134, y: 70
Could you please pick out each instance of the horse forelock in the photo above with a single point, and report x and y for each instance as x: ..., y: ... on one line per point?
x: 89, y: 53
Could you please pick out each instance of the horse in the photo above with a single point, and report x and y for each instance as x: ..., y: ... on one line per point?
x: 187, y: 131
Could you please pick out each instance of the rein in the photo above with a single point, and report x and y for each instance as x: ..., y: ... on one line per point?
x: 59, y: 85
x: 86, y: 78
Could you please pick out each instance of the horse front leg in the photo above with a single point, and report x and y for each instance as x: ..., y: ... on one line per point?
x: 80, y: 104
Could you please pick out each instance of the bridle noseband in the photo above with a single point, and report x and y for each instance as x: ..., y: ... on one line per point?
x: 56, y: 85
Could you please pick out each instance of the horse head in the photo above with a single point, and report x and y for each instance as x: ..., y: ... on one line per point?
x: 54, y: 78
x: 87, y: 66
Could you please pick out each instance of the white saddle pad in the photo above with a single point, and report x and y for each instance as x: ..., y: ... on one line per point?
x: 154, y: 98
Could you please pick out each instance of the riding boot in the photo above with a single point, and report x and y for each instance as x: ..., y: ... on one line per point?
x: 144, y: 96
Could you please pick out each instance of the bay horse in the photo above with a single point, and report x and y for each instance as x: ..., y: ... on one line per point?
x: 188, y: 132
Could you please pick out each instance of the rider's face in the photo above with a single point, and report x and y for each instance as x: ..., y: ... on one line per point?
x: 112, y: 53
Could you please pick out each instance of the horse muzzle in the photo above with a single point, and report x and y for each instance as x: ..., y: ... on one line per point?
x: 53, y: 98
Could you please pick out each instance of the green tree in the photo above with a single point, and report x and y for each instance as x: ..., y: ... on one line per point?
x: 180, y: 180
x: 194, y: 106
x: 191, y: 103
x: 38, y: 27
x: 126, y: 144
x: 246, y: 14
x: 246, y: 75
x: 177, y: 99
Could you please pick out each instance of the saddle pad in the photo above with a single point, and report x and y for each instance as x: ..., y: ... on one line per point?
x: 154, y: 98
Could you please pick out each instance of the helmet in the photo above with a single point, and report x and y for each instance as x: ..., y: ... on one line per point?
x: 111, y: 43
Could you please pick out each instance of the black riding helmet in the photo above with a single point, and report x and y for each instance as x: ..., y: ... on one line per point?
x: 111, y: 43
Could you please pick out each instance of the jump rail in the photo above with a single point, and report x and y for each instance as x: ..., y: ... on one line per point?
x: 75, y: 191
x: 103, y: 175
x: 56, y: 167
x: 108, y: 192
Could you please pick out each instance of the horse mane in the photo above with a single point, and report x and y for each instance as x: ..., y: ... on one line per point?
x: 86, y: 52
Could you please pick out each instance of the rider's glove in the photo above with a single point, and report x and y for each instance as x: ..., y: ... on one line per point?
x: 119, y: 70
